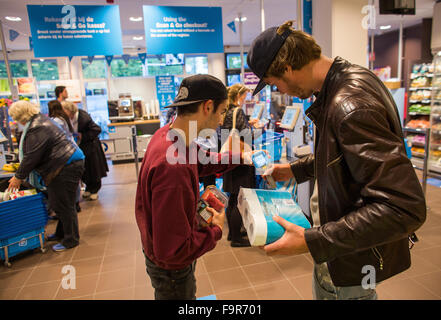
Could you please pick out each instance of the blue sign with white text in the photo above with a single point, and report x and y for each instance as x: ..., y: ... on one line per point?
x: 183, y: 29
x: 63, y: 31
x: 165, y: 92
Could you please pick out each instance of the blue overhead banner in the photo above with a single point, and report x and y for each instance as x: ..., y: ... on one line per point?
x: 165, y: 92
x: 307, y: 16
x: 183, y: 29
x: 69, y: 30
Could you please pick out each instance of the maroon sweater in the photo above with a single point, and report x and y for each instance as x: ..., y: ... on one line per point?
x: 166, y: 201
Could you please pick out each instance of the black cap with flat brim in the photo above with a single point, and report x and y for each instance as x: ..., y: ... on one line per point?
x: 198, y: 88
x: 263, y: 51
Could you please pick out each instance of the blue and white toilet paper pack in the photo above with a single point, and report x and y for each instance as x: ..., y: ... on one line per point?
x: 257, y: 208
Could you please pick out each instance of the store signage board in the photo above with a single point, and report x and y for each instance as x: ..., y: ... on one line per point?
x: 250, y: 80
x: 64, y: 31
x: 165, y: 92
x: 183, y: 29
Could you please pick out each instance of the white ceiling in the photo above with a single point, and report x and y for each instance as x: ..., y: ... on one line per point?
x: 276, y: 12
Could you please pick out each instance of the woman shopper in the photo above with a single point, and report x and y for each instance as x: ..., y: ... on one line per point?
x: 242, y: 176
x: 60, y: 117
x: 95, y: 162
x: 47, y: 152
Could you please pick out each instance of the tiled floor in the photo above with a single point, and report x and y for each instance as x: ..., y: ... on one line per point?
x: 109, y: 262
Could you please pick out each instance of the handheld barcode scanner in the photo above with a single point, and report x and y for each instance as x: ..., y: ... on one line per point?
x: 261, y: 163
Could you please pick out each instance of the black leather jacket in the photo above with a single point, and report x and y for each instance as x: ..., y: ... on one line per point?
x: 370, y: 199
x: 46, y: 149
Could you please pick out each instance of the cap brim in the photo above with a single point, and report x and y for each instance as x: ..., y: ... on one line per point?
x: 259, y: 87
x: 183, y: 103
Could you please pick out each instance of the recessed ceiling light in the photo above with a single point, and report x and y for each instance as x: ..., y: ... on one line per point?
x: 385, y: 27
x: 41, y: 60
x: 13, y: 18
x: 138, y: 38
x: 135, y: 19
x: 242, y: 19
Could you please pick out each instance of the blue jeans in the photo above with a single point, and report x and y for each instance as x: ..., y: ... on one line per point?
x: 324, y: 289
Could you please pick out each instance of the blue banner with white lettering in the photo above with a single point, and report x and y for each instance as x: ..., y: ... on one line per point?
x: 183, y: 29
x: 69, y: 30
x: 165, y: 92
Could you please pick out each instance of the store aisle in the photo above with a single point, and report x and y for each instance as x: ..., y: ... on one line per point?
x: 109, y: 262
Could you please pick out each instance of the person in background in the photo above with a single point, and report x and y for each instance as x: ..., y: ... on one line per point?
x: 88, y: 140
x: 60, y: 117
x: 367, y: 199
x: 61, y: 93
x: 242, y: 176
x: 46, y: 152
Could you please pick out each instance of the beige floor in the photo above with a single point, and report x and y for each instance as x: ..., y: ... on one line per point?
x: 109, y: 262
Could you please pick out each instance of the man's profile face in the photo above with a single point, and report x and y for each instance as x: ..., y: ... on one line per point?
x: 64, y: 94
x: 216, y: 118
x: 293, y: 82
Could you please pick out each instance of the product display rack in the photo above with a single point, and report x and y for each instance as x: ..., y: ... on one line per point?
x: 419, y: 109
x: 435, y: 118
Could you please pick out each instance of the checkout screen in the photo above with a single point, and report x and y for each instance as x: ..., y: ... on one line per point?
x: 288, y: 117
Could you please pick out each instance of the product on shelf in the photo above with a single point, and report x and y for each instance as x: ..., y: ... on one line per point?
x: 437, y: 81
x: 418, y: 150
x: 419, y: 108
x: 420, y: 139
x: 418, y: 124
x: 11, y: 167
x: 420, y: 82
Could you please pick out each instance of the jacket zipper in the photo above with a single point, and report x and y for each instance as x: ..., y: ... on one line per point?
x: 378, y: 256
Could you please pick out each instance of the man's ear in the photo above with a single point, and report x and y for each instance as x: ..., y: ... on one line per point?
x: 207, y: 107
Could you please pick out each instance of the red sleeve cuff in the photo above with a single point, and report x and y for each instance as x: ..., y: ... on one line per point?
x: 217, y: 233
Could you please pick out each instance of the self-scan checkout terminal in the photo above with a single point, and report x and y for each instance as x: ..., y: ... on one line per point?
x: 258, y: 112
x: 292, y: 123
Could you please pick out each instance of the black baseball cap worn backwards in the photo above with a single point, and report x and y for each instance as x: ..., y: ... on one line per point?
x: 263, y: 51
x: 198, y: 88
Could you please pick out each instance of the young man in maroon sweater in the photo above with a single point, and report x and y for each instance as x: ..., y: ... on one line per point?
x: 168, y: 190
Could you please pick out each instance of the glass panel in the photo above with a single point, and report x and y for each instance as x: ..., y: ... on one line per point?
x: 96, y: 102
x: 95, y: 70
x: 45, y: 70
x: 19, y: 69
x: 196, y: 65
x: 120, y: 69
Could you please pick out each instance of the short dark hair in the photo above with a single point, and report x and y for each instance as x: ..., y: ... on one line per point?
x: 59, y: 90
x: 194, y: 107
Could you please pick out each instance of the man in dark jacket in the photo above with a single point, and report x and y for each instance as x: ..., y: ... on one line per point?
x: 367, y: 197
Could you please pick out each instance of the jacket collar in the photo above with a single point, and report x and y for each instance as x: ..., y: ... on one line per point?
x: 316, y: 109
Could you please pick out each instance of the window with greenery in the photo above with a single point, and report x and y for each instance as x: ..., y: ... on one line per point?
x: 156, y: 66
x: 45, y: 70
x: 96, y: 69
x: 196, y: 64
x: 120, y: 69
x: 19, y: 69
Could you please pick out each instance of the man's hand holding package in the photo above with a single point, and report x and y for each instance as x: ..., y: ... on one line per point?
x: 218, y: 217
x: 291, y: 243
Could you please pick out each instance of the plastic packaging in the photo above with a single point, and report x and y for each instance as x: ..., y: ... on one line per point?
x: 257, y: 208
x: 213, y: 198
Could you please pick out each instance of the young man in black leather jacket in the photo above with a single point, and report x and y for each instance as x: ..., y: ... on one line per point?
x: 367, y: 197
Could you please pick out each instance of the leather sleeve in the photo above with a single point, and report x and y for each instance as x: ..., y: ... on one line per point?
x: 303, y: 169
x: 35, y: 146
x: 393, y: 200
